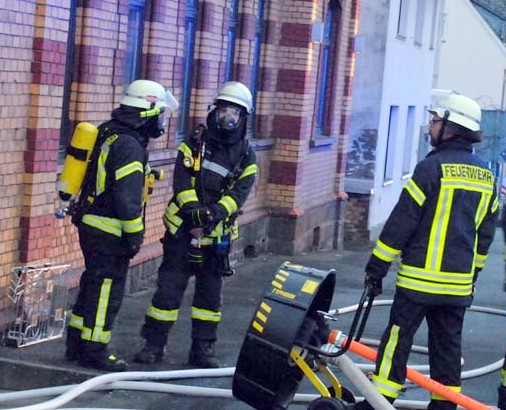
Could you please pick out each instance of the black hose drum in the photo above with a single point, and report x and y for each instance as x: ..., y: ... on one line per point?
x: 265, y: 377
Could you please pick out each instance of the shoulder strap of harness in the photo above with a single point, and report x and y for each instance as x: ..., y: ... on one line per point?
x: 196, y: 135
x: 238, y: 168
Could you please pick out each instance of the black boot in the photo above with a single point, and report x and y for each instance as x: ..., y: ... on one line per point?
x: 150, y: 354
x: 202, y: 354
x: 501, y: 397
x: 108, y: 363
x: 73, y: 344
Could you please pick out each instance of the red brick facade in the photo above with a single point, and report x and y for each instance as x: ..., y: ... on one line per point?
x: 299, y: 192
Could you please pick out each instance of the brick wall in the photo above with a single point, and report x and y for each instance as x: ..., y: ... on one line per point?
x: 299, y: 185
x: 304, y: 177
x: 357, y: 218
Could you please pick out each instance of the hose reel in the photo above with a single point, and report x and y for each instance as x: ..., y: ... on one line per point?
x: 265, y: 376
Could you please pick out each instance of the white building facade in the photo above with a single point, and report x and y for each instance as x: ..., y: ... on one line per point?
x: 396, y: 47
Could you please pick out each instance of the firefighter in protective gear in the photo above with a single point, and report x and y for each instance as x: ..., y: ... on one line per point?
x: 441, y: 227
x: 109, y: 219
x: 214, y: 174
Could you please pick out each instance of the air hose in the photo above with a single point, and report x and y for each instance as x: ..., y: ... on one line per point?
x: 130, y: 380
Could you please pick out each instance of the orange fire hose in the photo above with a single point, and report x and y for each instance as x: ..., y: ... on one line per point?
x: 416, y: 377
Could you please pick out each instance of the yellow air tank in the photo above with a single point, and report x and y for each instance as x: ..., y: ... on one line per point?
x: 78, y: 155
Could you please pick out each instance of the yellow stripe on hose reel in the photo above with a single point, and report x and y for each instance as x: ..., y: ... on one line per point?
x: 77, y: 159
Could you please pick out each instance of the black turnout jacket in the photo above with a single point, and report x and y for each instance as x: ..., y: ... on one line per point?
x: 442, y: 226
x: 213, y: 175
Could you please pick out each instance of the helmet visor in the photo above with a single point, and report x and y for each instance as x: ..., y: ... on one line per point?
x: 228, y: 117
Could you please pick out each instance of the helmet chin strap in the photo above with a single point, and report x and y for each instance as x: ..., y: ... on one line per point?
x: 439, y: 138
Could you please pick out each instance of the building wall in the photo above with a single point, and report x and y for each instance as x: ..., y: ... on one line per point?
x: 395, y: 70
x: 299, y: 185
x: 367, y: 92
x: 472, y: 59
x: 299, y: 158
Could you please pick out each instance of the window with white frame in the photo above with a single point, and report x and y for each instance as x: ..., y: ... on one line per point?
x: 408, y: 140
x: 391, y: 142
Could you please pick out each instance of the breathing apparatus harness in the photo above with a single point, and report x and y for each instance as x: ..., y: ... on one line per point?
x: 221, y: 245
x: 87, y: 197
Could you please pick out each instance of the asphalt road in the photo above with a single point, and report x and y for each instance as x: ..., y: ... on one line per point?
x: 42, y: 365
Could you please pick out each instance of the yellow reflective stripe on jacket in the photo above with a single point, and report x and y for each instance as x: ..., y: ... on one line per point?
x: 482, y: 209
x: 76, y: 321
x: 171, y: 220
x: 185, y: 149
x: 452, y: 180
x: 423, y: 280
x: 229, y: 204
x: 503, y: 377
x: 415, y: 192
x: 219, y: 231
x: 480, y: 260
x: 133, y: 226
x: 205, y: 315
x: 249, y: 170
x: 101, y: 172
x: 109, y: 225
x: 128, y: 169
x: 439, y: 229
x: 434, y: 396
x: 495, y: 205
x: 162, y: 315
x: 186, y: 197
x: 97, y: 334
x: 384, y: 252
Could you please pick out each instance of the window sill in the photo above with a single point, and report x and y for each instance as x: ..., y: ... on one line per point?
x: 322, y: 141
x: 388, y: 182
x: 260, y: 144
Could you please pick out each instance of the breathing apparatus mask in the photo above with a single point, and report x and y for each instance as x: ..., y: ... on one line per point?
x: 228, y: 116
x: 157, y: 121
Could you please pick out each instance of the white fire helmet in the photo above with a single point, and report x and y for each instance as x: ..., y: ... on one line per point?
x: 237, y: 93
x: 148, y: 94
x: 459, y: 110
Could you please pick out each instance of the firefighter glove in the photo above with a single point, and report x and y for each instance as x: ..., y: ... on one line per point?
x: 133, y: 243
x: 374, y: 285
x: 201, y: 217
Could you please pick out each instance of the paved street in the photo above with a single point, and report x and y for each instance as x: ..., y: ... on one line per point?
x: 43, y: 365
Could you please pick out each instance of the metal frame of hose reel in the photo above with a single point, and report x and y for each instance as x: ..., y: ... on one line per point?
x: 279, y: 350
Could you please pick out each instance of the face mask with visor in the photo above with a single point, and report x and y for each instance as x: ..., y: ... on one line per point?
x: 228, y: 117
x: 161, y: 119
